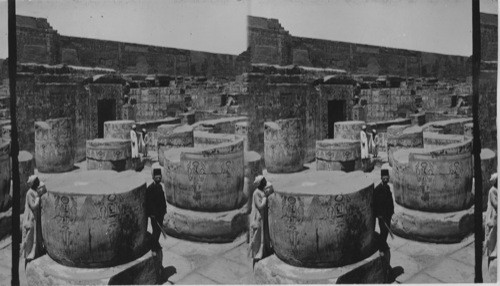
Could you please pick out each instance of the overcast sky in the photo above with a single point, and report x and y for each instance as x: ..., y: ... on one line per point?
x: 220, y: 25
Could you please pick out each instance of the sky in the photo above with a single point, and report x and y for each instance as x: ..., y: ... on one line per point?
x: 441, y: 26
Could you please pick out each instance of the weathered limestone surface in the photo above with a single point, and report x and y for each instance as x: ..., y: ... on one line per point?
x: 451, y: 126
x: 205, y: 139
x: 95, y: 219
x: 488, y: 167
x: 348, y: 129
x: 221, y: 125
x: 338, y: 155
x: 26, y: 169
x: 323, y: 219
x: 272, y: 270
x: 54, y: 148
x: 173, y: 136
x: 222, y: 226
x: 284, y: 150
x: 449, y: 227
x: 435, y: 179
x: 432, y: 139
x: 145, y: 270
x: 118, y: 129
x: 402, y: 137
x: 205, y: 179
x: 5, y: 198
x: 109, y: 154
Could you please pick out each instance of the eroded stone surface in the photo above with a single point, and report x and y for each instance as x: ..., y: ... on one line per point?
x: 337, y: 155
x: 173, y: 136
x: 206, y: 178
x: 109, y: 154
x: 402, y: 136
x: 54, y: 147
x: 348, y: 129
x: 284, y: 149
x: 322, y: 219
x: 205, y: 226
x: 449, y: 227
x: 95, y: 218
x: 118, y: 129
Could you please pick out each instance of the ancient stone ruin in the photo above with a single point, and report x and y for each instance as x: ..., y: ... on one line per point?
x: 284, y: 149
x: 54, y: 145
x: 94, y: 227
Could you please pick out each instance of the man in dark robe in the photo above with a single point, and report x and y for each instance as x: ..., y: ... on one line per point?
x: 384, y: 209
x: 156, y: 207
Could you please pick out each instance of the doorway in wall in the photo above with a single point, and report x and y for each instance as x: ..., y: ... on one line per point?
x: 336, y: 110
x: 106, y: 111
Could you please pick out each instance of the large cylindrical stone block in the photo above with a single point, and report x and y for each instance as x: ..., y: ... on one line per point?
x: 95, y: 218
x: 322, y: 219
x: 337, y: 155
x: 205, y: 179
x: 173, y: 136
x: 109, y: 154
x: 26, y: 169
x: 488, y: 167
x: 348, y: 130
x: 284, y: 149
x: 5, y: 199
x: 118, y: 129
x: 6, y: 130
x: 54, y: 148
x: 432, y: 181
x: 401, y: 137
x: 432, y: 139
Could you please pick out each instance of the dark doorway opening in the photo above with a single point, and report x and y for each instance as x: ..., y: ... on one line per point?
x: 106, y: 111
x: 335, y: 113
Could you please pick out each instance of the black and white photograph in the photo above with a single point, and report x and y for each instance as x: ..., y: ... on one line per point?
x: 162, y: 142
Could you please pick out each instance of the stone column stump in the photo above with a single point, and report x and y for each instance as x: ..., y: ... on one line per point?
x: 284, y: 150
x: 338, y: 155
x: 173, y: 136
x: 109, y: 154
x: 54, y: 148
x: 118, y: 129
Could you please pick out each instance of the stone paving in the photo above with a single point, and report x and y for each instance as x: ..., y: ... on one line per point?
x: 187, y: 262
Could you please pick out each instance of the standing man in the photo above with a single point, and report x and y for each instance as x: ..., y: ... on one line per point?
x: 145, y: 141
x: 32, y: 244
x: 491, y: 229
x: 135, y: 147
x: 383, y: 207
x: 374, y: 143
x: 364, y: 147
x: 260, y: 240
x: 156, y: 207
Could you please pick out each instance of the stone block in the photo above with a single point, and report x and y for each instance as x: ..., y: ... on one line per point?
x: 284, y: 148
x: 402, y: 136
x: 205, y: 178
x: 272, y: 270
x: 432, y: 139
x: 118, y: 129
x: 322, y: 219
x: 173, y: 136
x: 338, y: 155
x: 146, y: 269
x: 54, y: 148
x: 348, y: 130
x: 205, y: 226
x: 95, y: 219
x: 449, y: 227
x: 109, y: 154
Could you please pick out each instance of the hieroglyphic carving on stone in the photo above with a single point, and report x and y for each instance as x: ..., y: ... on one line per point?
x: 424, y: 171
x: 292, y: 213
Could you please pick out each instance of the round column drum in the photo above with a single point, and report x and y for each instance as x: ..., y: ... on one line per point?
x: 433, y: 180
x: 403, y: 136
x: 173, y: 136
x: 348, y: 130
x: 109, y: 154
x: 323, y: 219
x: 118, y: 129
x: 54, y: 148
x: 5, y: 199
x: 26, y: 169
x: 205, y: 179
x: 337, y: 154
x: 284, y: 149
x: 95, y: 219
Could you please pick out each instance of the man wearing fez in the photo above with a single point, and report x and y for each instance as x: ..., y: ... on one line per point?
x: 156, y: 207
x: 383, y: 207
x: 491, y: 229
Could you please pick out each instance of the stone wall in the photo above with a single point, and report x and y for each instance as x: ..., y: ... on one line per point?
x: 270, y: 43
